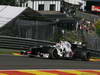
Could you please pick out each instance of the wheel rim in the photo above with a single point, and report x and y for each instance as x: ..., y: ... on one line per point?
x: 55, y: 53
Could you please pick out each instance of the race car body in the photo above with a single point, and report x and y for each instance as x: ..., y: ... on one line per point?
x: 57, y: 51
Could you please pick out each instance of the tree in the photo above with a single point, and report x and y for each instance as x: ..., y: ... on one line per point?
x: 98, y: 28
x: 7, y: 2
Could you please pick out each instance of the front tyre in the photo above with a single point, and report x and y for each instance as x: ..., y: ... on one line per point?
x: 85, y: 56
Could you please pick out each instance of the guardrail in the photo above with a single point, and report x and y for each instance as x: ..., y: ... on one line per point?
x: 94, y: 52
x: 17, y: 42
x: 25, y: 43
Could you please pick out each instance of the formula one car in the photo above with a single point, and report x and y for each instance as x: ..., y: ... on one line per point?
x: 52, y: 52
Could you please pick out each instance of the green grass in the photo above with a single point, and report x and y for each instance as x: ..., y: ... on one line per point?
x: 1, y: 52
x: 7, y: 51
x: 95, y: 57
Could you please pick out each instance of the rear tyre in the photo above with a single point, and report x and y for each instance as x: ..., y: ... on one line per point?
x: 53, y: 53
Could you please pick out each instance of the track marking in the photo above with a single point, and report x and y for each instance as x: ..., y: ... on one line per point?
x: 15, y: 73
x: 73, y: 72
x: 81, y: 72
x: 94, y: 59
x: 50, y: 72
x: 58, y: 72
x: 17, y: 54
x: 97, y: 70
x: 37, y: 72
x: 3, y: 74
x: 91, y: 71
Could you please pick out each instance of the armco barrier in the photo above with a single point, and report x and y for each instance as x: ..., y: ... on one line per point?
x: 16, y: 42
x: 22, y: 43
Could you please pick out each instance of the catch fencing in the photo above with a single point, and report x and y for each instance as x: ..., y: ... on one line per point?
x: 93, y: 43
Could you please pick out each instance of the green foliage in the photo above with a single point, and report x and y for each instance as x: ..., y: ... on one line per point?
x: 68, y: 36
x: 72, y: 36
x: 58, y: 36
x: 98, y: 28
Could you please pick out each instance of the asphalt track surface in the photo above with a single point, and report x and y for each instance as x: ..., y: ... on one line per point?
x: 9, y: 62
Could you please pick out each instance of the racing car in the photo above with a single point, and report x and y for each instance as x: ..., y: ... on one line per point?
x: 52, y: 52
